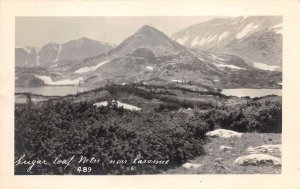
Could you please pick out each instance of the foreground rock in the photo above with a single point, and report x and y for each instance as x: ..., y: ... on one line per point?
x: 223, y: 133
x: 189, y: 111
x: 191, y: 165
x: 118, y: 104
x: 219, y: 160
x: 257, y: 159
x: 265, y: 149
x: 225, y: 148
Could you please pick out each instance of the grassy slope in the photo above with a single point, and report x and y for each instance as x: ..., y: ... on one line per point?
x: 226, y: 166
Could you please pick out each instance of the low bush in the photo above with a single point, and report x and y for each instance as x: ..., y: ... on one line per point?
x: 262, y: 117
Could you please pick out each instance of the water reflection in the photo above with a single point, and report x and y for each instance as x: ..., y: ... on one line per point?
x: 52, y: 90
x: 251, y: 92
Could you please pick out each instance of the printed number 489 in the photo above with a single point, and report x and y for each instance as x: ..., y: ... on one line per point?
x: 84, y: 169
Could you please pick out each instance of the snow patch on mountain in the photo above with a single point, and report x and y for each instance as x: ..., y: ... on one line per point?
x: 91, y: 68
x: 279, y: 31
x: 206, y: 40
x: 203, y: 40
x: 53, y: 66
x: 277, y: 26
x: 176, y: 80
x: 223, y: 35
x: 48, y: 81
x: 26, y: 60
x: 149, y: 68
x: 229, y: 66
x: 195, y: 41
x: 58, y: 53
x: 38, y: 59
x: 263, y: 66
x: 218, y: 58
x: 183, y: 39
x: 250, y: 27
x: 211, y: 38
x: 27, y: 50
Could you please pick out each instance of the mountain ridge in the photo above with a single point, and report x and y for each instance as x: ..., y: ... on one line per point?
x: 258, y: 39
x: 149, y: 56
x: 52, y: 52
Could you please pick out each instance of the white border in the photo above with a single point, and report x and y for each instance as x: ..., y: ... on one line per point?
x: 290, y: 10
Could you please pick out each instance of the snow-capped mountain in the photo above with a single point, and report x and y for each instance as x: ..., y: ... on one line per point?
x: 256, y: 39
x: 152, y: 57
x: 52, y: 52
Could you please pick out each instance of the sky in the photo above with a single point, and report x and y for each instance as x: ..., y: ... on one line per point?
x: 38, y: 31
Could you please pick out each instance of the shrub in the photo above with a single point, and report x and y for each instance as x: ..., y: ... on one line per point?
x: 256, y: 116
x: 62, y: 127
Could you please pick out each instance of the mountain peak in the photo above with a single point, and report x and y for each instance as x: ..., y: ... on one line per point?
x: 83, y: 39
x: 150, y: 38
x: 50, y: 45
x: 149, y: 30
x: 80, y: 40
x: 146, y: 28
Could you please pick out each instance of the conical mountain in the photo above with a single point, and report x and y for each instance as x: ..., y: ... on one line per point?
x: 150, y: 38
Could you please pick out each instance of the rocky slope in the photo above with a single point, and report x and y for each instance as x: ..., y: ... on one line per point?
x: 256, y: 39
x: 52, y: 53
x: 150, y: 56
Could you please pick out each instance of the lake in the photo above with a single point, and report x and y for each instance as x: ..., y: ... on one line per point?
x: 251, y: 92
x: 66, y: 90
x: 52, y: 90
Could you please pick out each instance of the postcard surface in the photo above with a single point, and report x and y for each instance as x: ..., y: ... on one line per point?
x: 185, y: 92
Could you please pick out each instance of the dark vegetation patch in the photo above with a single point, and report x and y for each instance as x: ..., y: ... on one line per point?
x: 68, y: 126
x: 43, y: 131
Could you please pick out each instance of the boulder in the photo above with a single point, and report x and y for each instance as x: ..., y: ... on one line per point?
x: 223, y: 133
x: 275, y: 148
x: 189, y: 111
x: 257, y: 159
x: 191, y: 165
x: 225, y: 148
x: 117, y: 104
x: 219, y: 160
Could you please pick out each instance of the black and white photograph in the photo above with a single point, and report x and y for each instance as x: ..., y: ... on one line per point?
x: 144, y: 95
